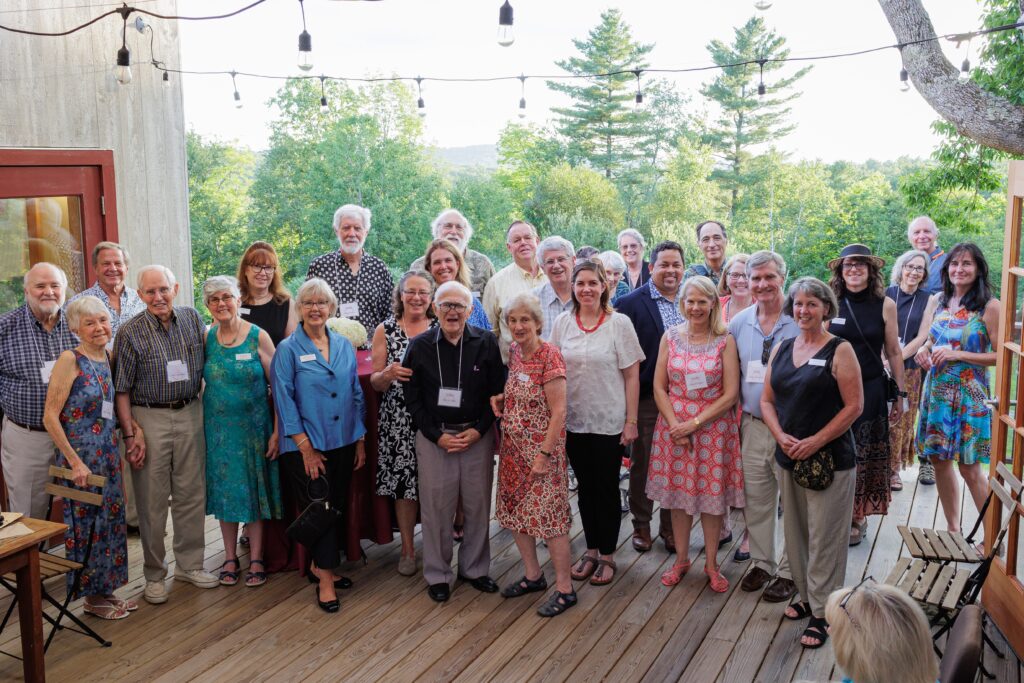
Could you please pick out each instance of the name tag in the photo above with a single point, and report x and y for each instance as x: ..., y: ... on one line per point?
x: 243, y: 356
x: 820, y: 362
x: 177, y: 371
x: 449, y: 398
x: 243, y: 311
x: 476, y: 295
x: 109, y: 345
x: 755, y: 372
x: 523, y: 377
x: 308, y: 357
x: 46, y: 371
x: 349, y: 309
x: 838, y: 321
x: 695, y: 380
x: 107, y: 411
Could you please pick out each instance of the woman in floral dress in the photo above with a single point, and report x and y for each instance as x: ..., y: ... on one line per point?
x: 695, y: 466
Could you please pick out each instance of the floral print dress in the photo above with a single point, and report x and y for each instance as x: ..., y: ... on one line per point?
x: 93, y: 438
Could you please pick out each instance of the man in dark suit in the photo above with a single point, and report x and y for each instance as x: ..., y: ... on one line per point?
x: 653, y: 308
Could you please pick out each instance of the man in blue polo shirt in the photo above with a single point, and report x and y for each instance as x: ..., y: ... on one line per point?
x: 924, y: 235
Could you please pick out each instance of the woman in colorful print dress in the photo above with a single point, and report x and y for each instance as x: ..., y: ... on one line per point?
x: 955, y: 421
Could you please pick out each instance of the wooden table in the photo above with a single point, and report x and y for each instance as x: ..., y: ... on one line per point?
x: 21, y: 556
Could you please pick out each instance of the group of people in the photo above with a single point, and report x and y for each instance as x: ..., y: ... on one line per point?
x: 725, y: 389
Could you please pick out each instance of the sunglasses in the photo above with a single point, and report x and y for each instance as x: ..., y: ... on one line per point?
x: 766, y: 349
x: 846, y: 599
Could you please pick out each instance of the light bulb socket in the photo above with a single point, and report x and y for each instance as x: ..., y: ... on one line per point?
x: 420, y: 104
x: 124, y: 57
x: 965, y: 68
x: 505, y: 15
x: 305, y: 42
x: 238, y: 97
x: 639, y: 98
x: 761, y: 89
x: 167, y: 78
x: 904, y: 76
x: 323, y: 102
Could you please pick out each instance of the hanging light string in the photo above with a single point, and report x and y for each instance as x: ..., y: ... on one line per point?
x: 522, y: 96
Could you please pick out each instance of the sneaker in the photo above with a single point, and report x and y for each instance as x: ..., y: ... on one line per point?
x: 623, y: 501
x: 200, y: 578
x: 926, y: 475
x: 155, y: 593
x: 573, y: 483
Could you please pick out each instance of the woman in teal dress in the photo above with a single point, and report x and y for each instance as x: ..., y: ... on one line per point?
x: 242, y: 482
x: 955, y: 421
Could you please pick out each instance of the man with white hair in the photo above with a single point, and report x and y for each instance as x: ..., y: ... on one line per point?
x: 522, y: 275
x: 923, y: 234
x: 362, y: 283
x: 451, y: 225
x: 557, y: 258
x: 32, y: 337
x: 158, y: 376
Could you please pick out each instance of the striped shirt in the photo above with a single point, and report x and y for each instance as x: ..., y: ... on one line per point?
x: 144, y: 351
x: 25, y: 349
x: 552, y: 307
x: 131, y: 304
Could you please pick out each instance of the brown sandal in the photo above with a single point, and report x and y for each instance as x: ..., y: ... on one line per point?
x: 603, y: 580
x: 584, y: 568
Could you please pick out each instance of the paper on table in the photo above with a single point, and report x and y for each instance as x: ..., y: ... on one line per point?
x: 9, y: 518
x: 14, y: 530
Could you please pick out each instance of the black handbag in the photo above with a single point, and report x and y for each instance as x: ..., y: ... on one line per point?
x: 816, y: 472
x: 316, y: 521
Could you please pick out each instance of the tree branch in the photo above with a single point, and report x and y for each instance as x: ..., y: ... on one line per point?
x: 976, y: 113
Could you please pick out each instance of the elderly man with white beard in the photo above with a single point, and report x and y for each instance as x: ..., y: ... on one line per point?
x: 451, y: 225
x: 32, y: 337
x: 362, y: 283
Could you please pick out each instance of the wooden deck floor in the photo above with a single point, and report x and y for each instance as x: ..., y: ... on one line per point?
x: 388, y: 629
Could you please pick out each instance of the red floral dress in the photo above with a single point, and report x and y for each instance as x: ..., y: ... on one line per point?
x: 539, y: 508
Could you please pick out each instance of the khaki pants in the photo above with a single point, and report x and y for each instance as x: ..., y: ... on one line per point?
x: 761, y: 484
x: 131, y: 515
x: 640, y: 506
x: 26, y: 457
x: 175, y: 467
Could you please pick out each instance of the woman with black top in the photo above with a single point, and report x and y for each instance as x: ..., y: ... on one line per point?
x: 265, y: 300
x: 914, y: 310
x: 812, y: 395
x: 867, y: 319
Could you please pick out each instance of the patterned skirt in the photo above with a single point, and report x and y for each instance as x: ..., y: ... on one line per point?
x: 871, y: 433
x: 902, y: 433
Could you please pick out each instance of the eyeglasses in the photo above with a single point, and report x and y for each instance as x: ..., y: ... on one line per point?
x: 263, y: 269
x: 766, y: 349
x: 914, y: 269
x: 449, y: 306
x: 854, y: 265
x: 561, y: 260
x: 846, y: 599
x: 216, y: 300
x: 315, y: 304
x: 737, y: 276
x: 422, y: 293
x: 450, y: 226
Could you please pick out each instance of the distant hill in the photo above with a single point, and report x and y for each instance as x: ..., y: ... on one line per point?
x: 482, y: 156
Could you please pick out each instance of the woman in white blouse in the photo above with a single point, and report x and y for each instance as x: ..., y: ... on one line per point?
x: 602, y: 361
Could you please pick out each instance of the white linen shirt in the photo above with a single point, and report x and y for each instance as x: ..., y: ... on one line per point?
x: 595, y: 388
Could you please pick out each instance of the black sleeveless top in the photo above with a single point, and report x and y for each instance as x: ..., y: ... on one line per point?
x: 807, y: 398
x: 909, y: 313
x: 867, y: 311
x: 271, y: 317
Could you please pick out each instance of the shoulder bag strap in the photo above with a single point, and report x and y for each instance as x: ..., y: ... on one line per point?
x: 856, y: 324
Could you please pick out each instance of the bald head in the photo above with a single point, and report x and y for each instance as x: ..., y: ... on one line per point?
x: 45, y: 289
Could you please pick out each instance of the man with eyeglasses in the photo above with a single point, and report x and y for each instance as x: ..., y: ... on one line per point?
x: 522, y: 275
x: 158, y: 376
x: 456, y: 368
x: 923, y: 234
x: 757, y: 329
x: 451, y: 225
x: 712, y: 241
x: 557, y: 258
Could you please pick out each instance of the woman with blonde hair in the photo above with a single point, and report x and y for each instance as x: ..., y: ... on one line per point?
x: 734, y: 289
x: 862, y: 617
x: 445, y: 263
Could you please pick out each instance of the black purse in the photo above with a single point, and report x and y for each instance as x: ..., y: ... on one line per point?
x: 816, y: 472
x: 316, y: 521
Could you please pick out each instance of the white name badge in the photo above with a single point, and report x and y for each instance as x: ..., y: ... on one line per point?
x: 110, y: 345
x: 107, y: 410
x: 755, y: 372
x: 449, y: 398
x: 177, y: 371
x: 820, y: 362
x: 243, y: 311
x: 243, y: 356
x: 308, y: 357
x: 349, y: 309
x: 838, y: 321
x: 46, y: 371
x: 476, y: 295
x: 523, y: 377
x: 696, y: 380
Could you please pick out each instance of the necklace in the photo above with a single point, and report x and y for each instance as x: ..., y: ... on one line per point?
x: 588, y: 330
x: 233, y: 341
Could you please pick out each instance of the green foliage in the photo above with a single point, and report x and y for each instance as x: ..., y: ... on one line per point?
x: 490, y: 207
x: 524, y: 153
x: 567, y: 191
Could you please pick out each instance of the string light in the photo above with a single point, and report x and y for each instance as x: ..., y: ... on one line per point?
x: 760, y: 86
x: 167, y: 80
x: 505, y: 34
x: 324, y: 109
x: 639, y: 99
x: 904, y: 80
x: 123, y: 64
x: 305, y: 43
x: 238, y: 98
x: 522, y: 97
x: 421, y: 107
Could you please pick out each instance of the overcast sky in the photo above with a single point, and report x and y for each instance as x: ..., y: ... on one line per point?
x: 850, y: 109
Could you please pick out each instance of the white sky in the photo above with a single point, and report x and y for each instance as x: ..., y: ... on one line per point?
x: 851, y: 108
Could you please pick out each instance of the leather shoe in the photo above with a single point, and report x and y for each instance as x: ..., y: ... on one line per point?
x: 779, y: 590
x: 484, y: 584
x: 725, y: 541
x: 641, y: 540
x: 755, y: 580
x: 439, y: 592
x: 342, y: 582
x: 330, y: 606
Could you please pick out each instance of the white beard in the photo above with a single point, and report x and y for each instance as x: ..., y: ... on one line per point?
x: 350, y: 249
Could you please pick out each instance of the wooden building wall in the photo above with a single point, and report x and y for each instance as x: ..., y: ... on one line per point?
x: 61, y: 93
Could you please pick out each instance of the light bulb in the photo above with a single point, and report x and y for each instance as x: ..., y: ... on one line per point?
x: 421, y: 107
x: 762, y: 5
x: 238, y: 100
x: 122, y: 68
x: 904, y: 80
x: 324, y: 109
x: 305, y: 51
x: 167, y: 80
x: 505, y: 34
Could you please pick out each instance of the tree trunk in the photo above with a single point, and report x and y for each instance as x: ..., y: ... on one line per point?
x: 976, y: 113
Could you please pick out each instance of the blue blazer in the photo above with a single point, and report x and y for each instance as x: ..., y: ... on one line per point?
x: 642, y: 310
x: 323, y: 400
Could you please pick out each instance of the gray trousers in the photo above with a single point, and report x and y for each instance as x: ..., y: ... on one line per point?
x: 761, y: 484
x: 26, y: 457
x: 131, y: 515
x: 175, y: 467
x: 442, y: 477
x: 817, y: 525
x: 640, y: 506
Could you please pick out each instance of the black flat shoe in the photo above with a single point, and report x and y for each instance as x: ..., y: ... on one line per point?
x: 439, y: 592
x: 484, y: 584
x: 329, y: 606
x: 342, y: 582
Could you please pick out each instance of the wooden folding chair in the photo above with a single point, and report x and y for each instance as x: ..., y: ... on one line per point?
x: 51, y: 566
x: 943, y: 546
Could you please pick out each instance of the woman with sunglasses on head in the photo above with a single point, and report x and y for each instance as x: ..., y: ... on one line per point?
x: 867, y: 319
x: 956, y: 423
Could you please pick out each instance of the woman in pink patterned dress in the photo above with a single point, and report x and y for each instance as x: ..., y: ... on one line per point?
x: 533, y: 486
x: 695, y: 466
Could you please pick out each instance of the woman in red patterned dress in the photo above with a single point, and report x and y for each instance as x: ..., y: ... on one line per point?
x: 533, y: 487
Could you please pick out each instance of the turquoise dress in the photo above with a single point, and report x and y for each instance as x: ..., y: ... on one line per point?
x: 93, y: 438
x: 242, y: 485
